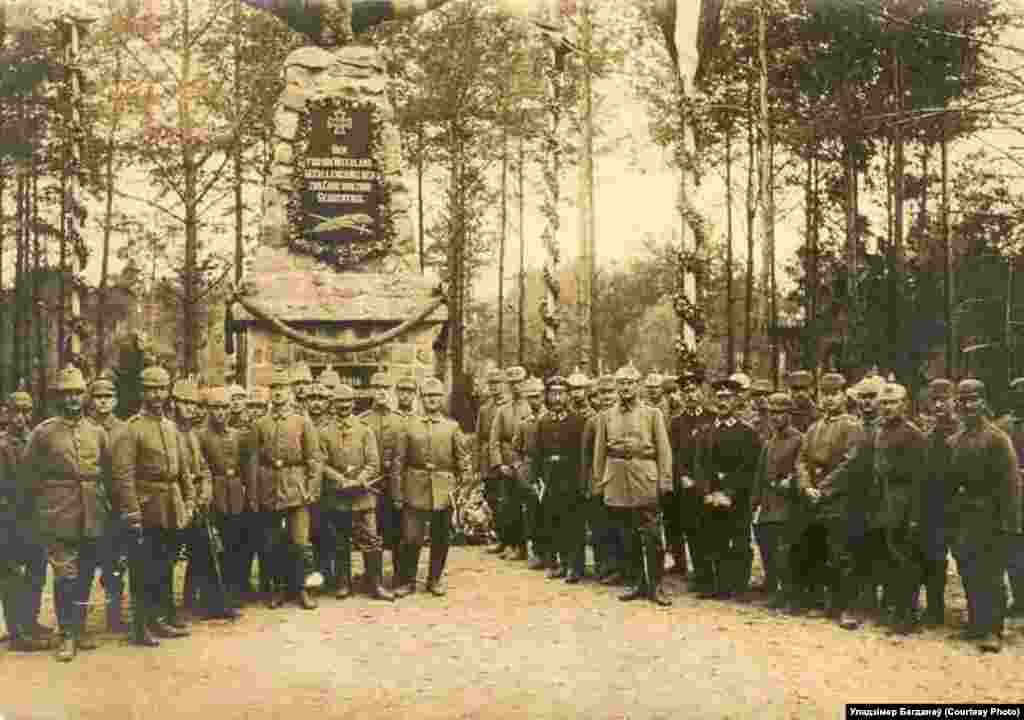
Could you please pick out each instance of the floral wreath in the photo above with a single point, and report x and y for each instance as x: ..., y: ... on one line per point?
x: 348, y: 255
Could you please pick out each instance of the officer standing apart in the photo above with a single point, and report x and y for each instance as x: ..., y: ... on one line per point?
x: 68, y: 472
x: 503, y: 461
x: 983, y: 514
x: 351, y: 485
x: 156, y: 500
x: 103, y: 401
x: 606, y: 537
x: 22, y: 555
x: 726, y: 461
x: 286, y: 455
x: 632, y: 468
x: 527, y: 472
x: 432, y: 460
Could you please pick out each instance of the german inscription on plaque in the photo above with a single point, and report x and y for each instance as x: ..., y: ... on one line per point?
x: 341, y: 192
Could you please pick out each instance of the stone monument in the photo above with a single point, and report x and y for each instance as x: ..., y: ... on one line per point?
x: 336, y: 269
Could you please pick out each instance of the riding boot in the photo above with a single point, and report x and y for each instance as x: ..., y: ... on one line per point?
x: 410, y: 564
x: 299, y: 565
x: 374, y: 562
x: 438, y: 559
x: 343, y: 572
x: 63, y: 602
x: 656, y: 564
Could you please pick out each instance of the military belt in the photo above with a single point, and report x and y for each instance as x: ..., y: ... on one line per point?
x: 280, y: 464
x: 556, y: 458
x: 619, y: 455
x: 429, y: 467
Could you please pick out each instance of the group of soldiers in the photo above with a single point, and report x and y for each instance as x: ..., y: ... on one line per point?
x: 218, y: 476
x: 853, y: 505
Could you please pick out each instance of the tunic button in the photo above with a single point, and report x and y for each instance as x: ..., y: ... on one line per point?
x: 278, y: 464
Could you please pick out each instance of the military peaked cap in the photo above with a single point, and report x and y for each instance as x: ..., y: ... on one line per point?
x: 515, y: 374
x: 830, y: 382
x: 578, y: 380
x: 742, y: 380
x: 669, y: 384
x: 406, y: 382
x: 606, y: 382
x: 762, y: 387
x: 688, y: 379
x: 236, y: 390
x: 433, y: 386
x: 971, y: 387
x: 871, y: 385
x: 155, y: 376
x: 495, y: 375
x: 344, y: 391
x: 780, y: 402
x: 103, y: 384
x: 726, y: 383
x: 301, y: 373
x: 940, y: 388
x: 893, y: 391
x: 70, y: 379
x: 653, y: 380
x: 329, y: 379
x: 281, y: 378
x: 260, y: 395
x: 380, y: 380
x: 185, y: 391
x: 628, y: 372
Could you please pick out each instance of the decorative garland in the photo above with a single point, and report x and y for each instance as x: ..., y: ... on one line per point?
x: 352, y: 255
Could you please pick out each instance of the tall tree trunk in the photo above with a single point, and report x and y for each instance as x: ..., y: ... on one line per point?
x: 748, y: 315
x: 502, y: 242
x: 420, y: 166
x: 521, y: 171
x: 588, y: 226
x: 730, y: 347
x: 39, y: 287
x: 242, y: 337
x: 767, y: 189
x: 455, y: 279
x: 894, y: 311
x: 852, y: 251
x: 190, y: 344
x: 18, y: 323
x: 947, y: 270
x: 3, y: 296
x: 108, y: 225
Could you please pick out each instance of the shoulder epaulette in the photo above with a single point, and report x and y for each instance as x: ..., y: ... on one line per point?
x: 47, y: 421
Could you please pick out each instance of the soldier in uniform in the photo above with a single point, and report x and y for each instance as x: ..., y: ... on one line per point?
x: 579, y: 384
x: 801, y: 387
x: 527, y: 471
x: 761, y: 416
x: 503, y: 461
x: 777, y: 526
x: 253, y: 523
x: 238, y: 399
x: 387, y: 425
x: 492, y: 482
x: 185, y: 402
x: 931, y: 502
x: 899, y: 463
x: 983, y: 513
x: 22, y: 554
x: 222, y: 452
x: 686, y: 506
x: 405, y: 390
x: 727, y: 456
x: 1012, y: 423
x: 606, y: 538
x: 352, y: 479
x: 632, y: 468
x: 652, y: 390
x: 302, y: 378
x: 67, y: 470
x: 557, y: 455
x: 432, y: 461
x: 103, y: 401
x: 156, y: 500
x: 826, y: 554
x: 320, y: 406
x: 285, y: 456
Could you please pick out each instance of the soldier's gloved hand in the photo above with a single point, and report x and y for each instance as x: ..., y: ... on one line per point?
x: 724, y: 501
x: 507, y: 471
x: 813, y: 494
x: 709, y: 499
x: 688, y: 482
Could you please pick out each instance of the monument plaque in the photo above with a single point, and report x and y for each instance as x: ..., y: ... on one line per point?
x: 339, y: 205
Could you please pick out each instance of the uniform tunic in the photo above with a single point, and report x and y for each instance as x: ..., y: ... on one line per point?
x: 432, y: 459
x: 825, y: 445
x: 222, y: 454
x: 556, y: 457
x: 150, y: 473
x: 285, y: 453
x: 632, y: 457
x: 778, y: 464
x: 351, y: 464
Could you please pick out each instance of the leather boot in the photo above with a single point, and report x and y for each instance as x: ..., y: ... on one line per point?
x: 343, y: 572
x: 68, y: 647
x: 302, y: 596
x: 115, y: 621
x: 410, y: 565
x: 435, y: 581
x: 62, y: 602
x: 374, y: 562
x: 84, y: 640
x: 397, y: 565
x: 189, y: 592
x: 141, y: 635
x: 656, y: 563
x: 497, y: 549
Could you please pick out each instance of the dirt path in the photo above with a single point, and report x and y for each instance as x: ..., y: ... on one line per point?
x: 506, y: 643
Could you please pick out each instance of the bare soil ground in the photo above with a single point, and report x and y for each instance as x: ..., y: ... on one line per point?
x: 507, y: 643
